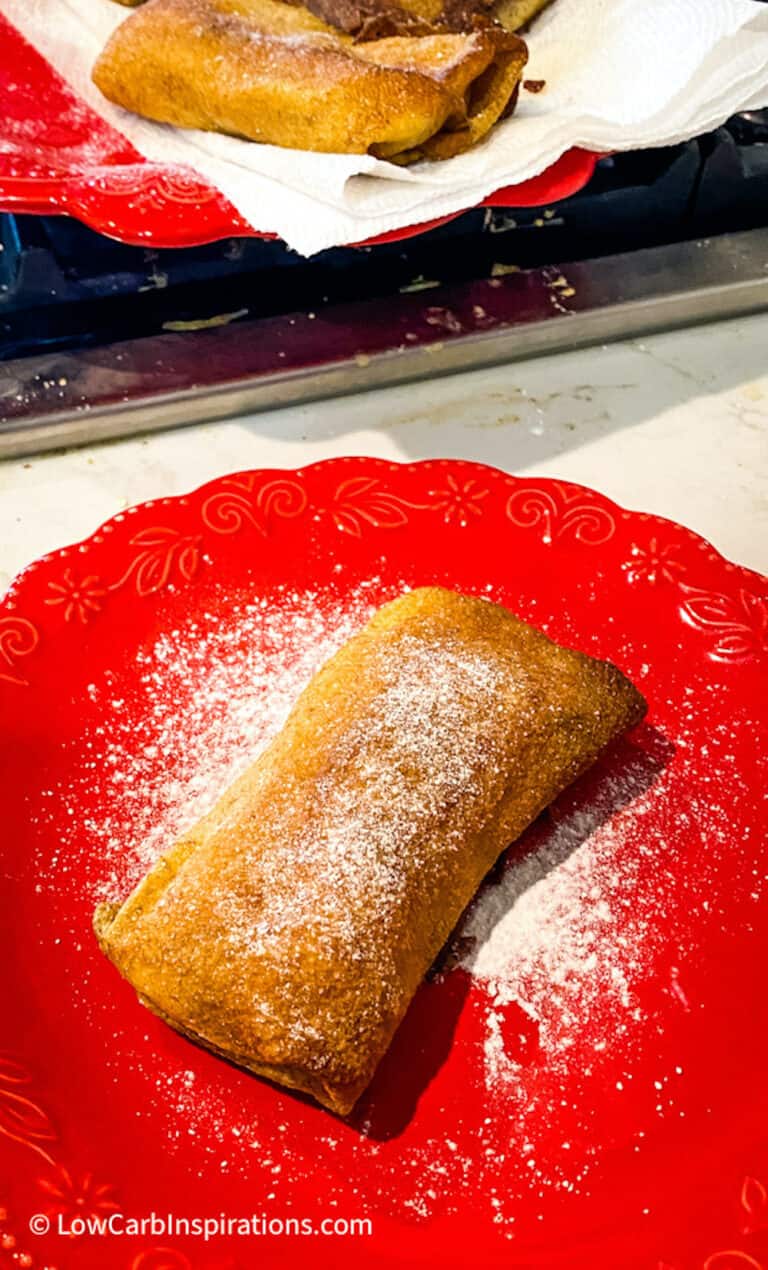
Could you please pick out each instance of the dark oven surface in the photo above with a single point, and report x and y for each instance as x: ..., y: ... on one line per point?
x: 89, y: 325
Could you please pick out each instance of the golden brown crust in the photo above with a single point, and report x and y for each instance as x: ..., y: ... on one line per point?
x: 273, y: 72
x: 289, y: 929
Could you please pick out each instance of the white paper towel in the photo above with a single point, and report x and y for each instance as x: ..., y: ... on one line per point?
x: 620, y: 75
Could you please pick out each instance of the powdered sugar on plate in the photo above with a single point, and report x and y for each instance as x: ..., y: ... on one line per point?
x: 215, y: 696
x: 559, y: 930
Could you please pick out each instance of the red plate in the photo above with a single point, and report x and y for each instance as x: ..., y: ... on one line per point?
x: 58, y: 155
x: 602, y: 1103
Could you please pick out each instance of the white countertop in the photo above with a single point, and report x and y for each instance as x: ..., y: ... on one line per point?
x: 675, y: 424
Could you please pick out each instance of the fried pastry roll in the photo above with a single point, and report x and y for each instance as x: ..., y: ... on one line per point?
x: 290, y: 928
x: 275, y: 73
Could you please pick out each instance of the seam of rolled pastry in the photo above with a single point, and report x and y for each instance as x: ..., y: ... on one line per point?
x: 272, y: 72
x: 290, y: 928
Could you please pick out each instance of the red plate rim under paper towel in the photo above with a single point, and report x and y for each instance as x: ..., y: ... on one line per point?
x: 581, y: 1084
x: 58, y: 155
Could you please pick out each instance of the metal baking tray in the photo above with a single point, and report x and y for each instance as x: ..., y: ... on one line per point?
x: 206, y: 372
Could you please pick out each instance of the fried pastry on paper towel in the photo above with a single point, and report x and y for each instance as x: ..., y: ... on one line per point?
x: 273, y: 72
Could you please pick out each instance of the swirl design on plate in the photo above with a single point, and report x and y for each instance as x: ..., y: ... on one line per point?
x: 18, y: 638
x: 179, y: 185
x: 151, y: 185
x: 732, y: 1259
x: 21, y: 1119
x: 754, y: 1206
x: 753, y: 1203
x: 738, y: 622
x: 561, y: 512
x: 282, y: 498
x: 230, y: 509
